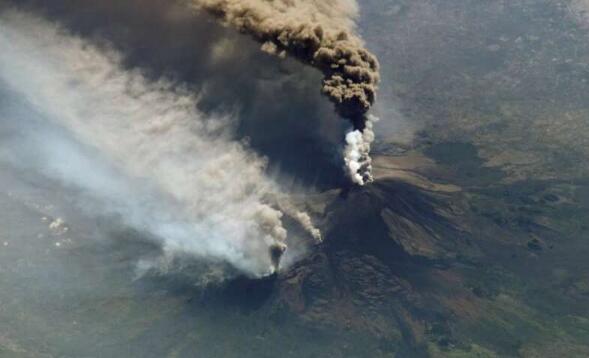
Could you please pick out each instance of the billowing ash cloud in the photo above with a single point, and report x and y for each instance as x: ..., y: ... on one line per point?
x: 320, y: 33
x: 151, y: 157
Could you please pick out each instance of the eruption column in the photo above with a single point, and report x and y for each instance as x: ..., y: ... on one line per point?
x: 319, y: 33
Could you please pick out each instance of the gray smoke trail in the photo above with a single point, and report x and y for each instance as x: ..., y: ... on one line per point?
x: 320, y: 33
x: 171, y: 171
x: 301, y: 217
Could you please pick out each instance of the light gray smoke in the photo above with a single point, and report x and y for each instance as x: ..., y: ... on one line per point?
x: 152, y: 158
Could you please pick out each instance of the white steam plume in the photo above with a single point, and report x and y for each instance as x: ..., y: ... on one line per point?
x: 357, y: 153
x: 169, y: 170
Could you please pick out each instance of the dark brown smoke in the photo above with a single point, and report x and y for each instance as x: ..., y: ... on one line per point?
x: 317, y: 32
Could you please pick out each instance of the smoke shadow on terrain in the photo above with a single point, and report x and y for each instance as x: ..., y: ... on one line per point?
x: 277, y: 102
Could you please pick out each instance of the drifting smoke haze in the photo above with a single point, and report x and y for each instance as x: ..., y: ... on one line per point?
x: 274, y: 101
x: 145, y: 105
x: 320, y: 33
x: 148, y: 155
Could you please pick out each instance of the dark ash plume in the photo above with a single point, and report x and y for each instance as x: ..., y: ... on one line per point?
x: 320, y: 33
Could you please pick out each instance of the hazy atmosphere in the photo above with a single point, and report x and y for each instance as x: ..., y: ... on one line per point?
x: 297, y: 178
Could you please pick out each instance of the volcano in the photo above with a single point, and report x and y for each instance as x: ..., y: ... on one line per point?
x: 176, y: 182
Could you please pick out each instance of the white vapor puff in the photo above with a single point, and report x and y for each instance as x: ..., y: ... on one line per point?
x: 166, y: 169
x: 357, y: 153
